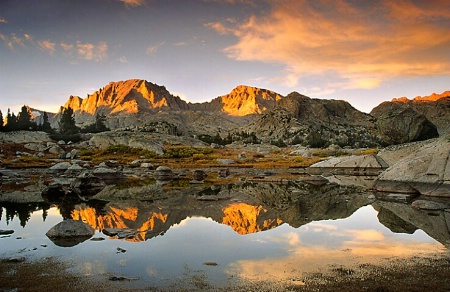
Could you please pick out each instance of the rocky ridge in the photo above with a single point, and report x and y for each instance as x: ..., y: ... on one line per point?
x: 263, y: 116
x: 299, y: 119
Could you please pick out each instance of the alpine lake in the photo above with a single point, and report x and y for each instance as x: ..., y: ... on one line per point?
x: 244, y: 235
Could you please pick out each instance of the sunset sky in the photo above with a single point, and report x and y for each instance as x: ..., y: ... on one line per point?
x: 364, y: 52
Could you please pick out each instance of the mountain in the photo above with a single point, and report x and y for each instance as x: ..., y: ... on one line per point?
x: 140, y: 96
x: 241, y: 101
x: 253, y: 115
x: 131, y: 96
x: 151, y: 107
x: 435, y: 108
x: 317, y: 122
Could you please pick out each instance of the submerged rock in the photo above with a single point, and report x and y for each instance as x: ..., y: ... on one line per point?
x: 88, y: 185
x: 108, y: 175
x: 6, y: 232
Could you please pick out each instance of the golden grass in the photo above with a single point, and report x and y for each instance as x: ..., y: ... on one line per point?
x: 175, y: 156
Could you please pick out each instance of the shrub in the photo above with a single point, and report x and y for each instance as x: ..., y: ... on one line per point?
x: 185, y: 152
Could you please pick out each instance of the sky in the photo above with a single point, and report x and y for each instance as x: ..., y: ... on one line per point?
x: 364, y: 52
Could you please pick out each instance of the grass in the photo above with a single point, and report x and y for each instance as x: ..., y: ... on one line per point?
x: 176, y: 156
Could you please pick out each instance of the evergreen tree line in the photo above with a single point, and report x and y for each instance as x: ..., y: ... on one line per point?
x: 68, y: 130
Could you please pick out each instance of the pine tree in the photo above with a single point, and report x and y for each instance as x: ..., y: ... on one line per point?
x: 100, y: 123
x: 46, y: 127
x: 1, y: 122
x: 11, y: 122
x: 67, y: 122
x: 24, y: 119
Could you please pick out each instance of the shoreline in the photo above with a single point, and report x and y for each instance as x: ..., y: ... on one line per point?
x: 416, y: 273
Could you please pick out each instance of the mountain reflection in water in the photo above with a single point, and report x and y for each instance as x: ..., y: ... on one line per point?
x: 305, y: 227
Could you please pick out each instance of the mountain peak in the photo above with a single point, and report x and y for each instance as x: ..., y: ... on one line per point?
x: 129, y: 96
x: 432, y: 97
x: 246, y: 100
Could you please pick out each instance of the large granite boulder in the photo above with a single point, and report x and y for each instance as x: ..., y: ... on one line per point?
x: 351, y: 165
x: 70, y: 232
x: 425, y: 171
x: 399, y: 125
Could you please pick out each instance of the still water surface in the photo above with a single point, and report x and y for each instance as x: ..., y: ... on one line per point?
x: 270, y: 250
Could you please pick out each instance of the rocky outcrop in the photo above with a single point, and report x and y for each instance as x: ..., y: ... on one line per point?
x: 298, y: 119
x: 436, y: 108
x: 350, y: 165
x: 398, y: 124
x: 150, y: 141
x: 23, y: 137
x: 425, y: 171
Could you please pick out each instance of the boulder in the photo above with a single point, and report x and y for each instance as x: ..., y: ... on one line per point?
x: 429, y: 205
x: 70, y: 232
x: 199, y: 175
x: 6, y: 232
x: 60, y: 167
x: 74, y: 169
x: 87, y: 185
x: 354, y: 164
x: 54, y: 193
x: 163, y: 173
x: 223, y: 172
x: 314, y: 179
x: 225, y: 161
x: 108, y: 175
x: 425, y: 171
x: 35, y: 147
x: 402, y: 125
x: 74, y: 153
x: 56, y: 149
x: 147, y: 165
x: 120, y: 232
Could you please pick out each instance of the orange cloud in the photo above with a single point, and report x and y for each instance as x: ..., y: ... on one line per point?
x: 133, y: 3
x: 67, y: 48
x: 13, y: 41
x: 363, y: 44
x: 92, y: 52
x: 47, y: 46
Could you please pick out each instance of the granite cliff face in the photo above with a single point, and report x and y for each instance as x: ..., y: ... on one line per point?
x: 435, y: 108
x: 131, y: 96
x: 242, y: 101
